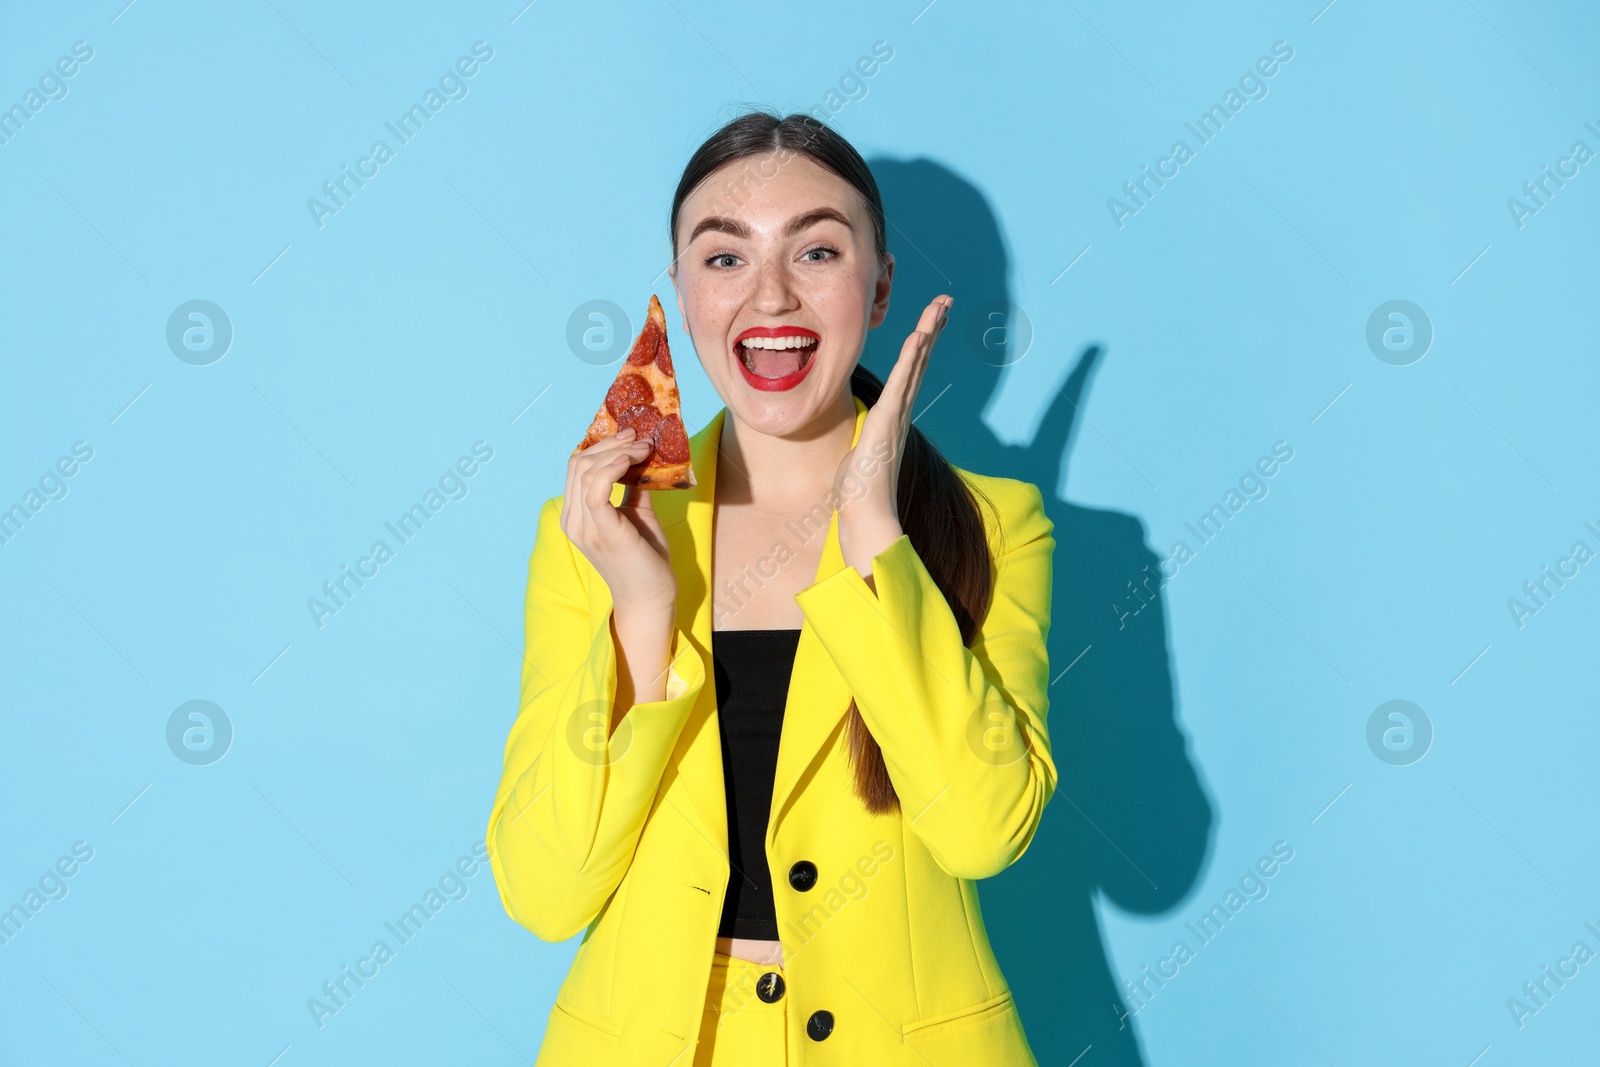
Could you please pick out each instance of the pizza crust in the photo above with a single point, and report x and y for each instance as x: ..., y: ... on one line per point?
x: 665, y: 476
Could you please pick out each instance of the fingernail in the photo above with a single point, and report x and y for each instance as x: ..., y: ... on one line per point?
x: 625, y: 431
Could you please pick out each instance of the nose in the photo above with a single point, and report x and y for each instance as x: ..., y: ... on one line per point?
x: 775, y: 292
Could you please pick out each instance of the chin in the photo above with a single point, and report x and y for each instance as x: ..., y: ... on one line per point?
x: 781, y: 414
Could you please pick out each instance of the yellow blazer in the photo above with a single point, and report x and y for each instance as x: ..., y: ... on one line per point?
x: 625, y: 838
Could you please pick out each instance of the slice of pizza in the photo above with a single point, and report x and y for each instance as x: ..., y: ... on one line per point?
x: 645, y: 396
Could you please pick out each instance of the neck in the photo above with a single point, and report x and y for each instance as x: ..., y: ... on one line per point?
x: 784, y: 474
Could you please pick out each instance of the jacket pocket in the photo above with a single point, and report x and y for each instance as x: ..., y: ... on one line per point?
x: 593, y: 1025
x: 933, y: 1027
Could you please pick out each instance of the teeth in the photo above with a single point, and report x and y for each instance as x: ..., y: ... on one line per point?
x: 778, y: 344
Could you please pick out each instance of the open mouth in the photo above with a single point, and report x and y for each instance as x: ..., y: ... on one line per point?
x: 776, y: 357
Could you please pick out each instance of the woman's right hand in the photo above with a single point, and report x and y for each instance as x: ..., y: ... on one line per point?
x: 624, y: 543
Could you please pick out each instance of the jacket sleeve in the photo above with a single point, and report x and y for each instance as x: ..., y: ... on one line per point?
x: 572, y: 801
x: 962, y: 729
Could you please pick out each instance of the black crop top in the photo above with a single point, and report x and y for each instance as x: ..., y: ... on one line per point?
x: 752, y: 670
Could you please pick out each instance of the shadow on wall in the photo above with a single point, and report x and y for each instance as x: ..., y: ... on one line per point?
x: 1129, y: 818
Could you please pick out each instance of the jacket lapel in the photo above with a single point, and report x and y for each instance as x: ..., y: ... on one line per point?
x: 818, y: 696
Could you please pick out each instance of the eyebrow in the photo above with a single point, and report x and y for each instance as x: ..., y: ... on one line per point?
x: 724, y: 224
x: 720, y: 224
x: 821, y: 214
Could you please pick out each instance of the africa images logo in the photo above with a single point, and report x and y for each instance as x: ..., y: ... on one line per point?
x: 453, y: 484
x: 1210, y: 123
x: 452, y: 85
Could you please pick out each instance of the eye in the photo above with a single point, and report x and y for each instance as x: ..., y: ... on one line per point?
x: 819, y: 254
x: 722, y: 260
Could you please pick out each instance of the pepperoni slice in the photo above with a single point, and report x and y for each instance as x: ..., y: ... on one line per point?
x: 664, y: 356
x: 642, y: 417
x: 672, y: 444
x: 644, y: 349
x: 628, y: 391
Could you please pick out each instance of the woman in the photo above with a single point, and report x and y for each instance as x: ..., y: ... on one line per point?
x: 781, y: 865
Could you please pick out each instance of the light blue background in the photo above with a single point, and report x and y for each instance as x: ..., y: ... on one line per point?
x: 369, y: 354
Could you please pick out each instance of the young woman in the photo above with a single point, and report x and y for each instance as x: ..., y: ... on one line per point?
x: 781, y: 865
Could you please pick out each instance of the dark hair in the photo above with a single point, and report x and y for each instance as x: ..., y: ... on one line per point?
x: 938, y: 508
x: 760, y: 133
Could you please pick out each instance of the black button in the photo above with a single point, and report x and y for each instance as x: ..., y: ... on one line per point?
x: 820, y: 1025
x: 769, y: 987
x: 803, y: 875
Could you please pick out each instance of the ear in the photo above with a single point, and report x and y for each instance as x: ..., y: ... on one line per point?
x: 683, y: 316
x: 880, y: 292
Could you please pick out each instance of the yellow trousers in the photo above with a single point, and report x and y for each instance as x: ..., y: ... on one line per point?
x: 739, y: 1028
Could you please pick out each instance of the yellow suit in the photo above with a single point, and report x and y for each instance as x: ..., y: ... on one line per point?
x: 625, y: 838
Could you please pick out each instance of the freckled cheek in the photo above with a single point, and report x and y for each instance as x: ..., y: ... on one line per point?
x: 711, y: 310
x: 841, y: 305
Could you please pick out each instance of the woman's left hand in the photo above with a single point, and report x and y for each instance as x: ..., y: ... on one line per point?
x: 869, y: 475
